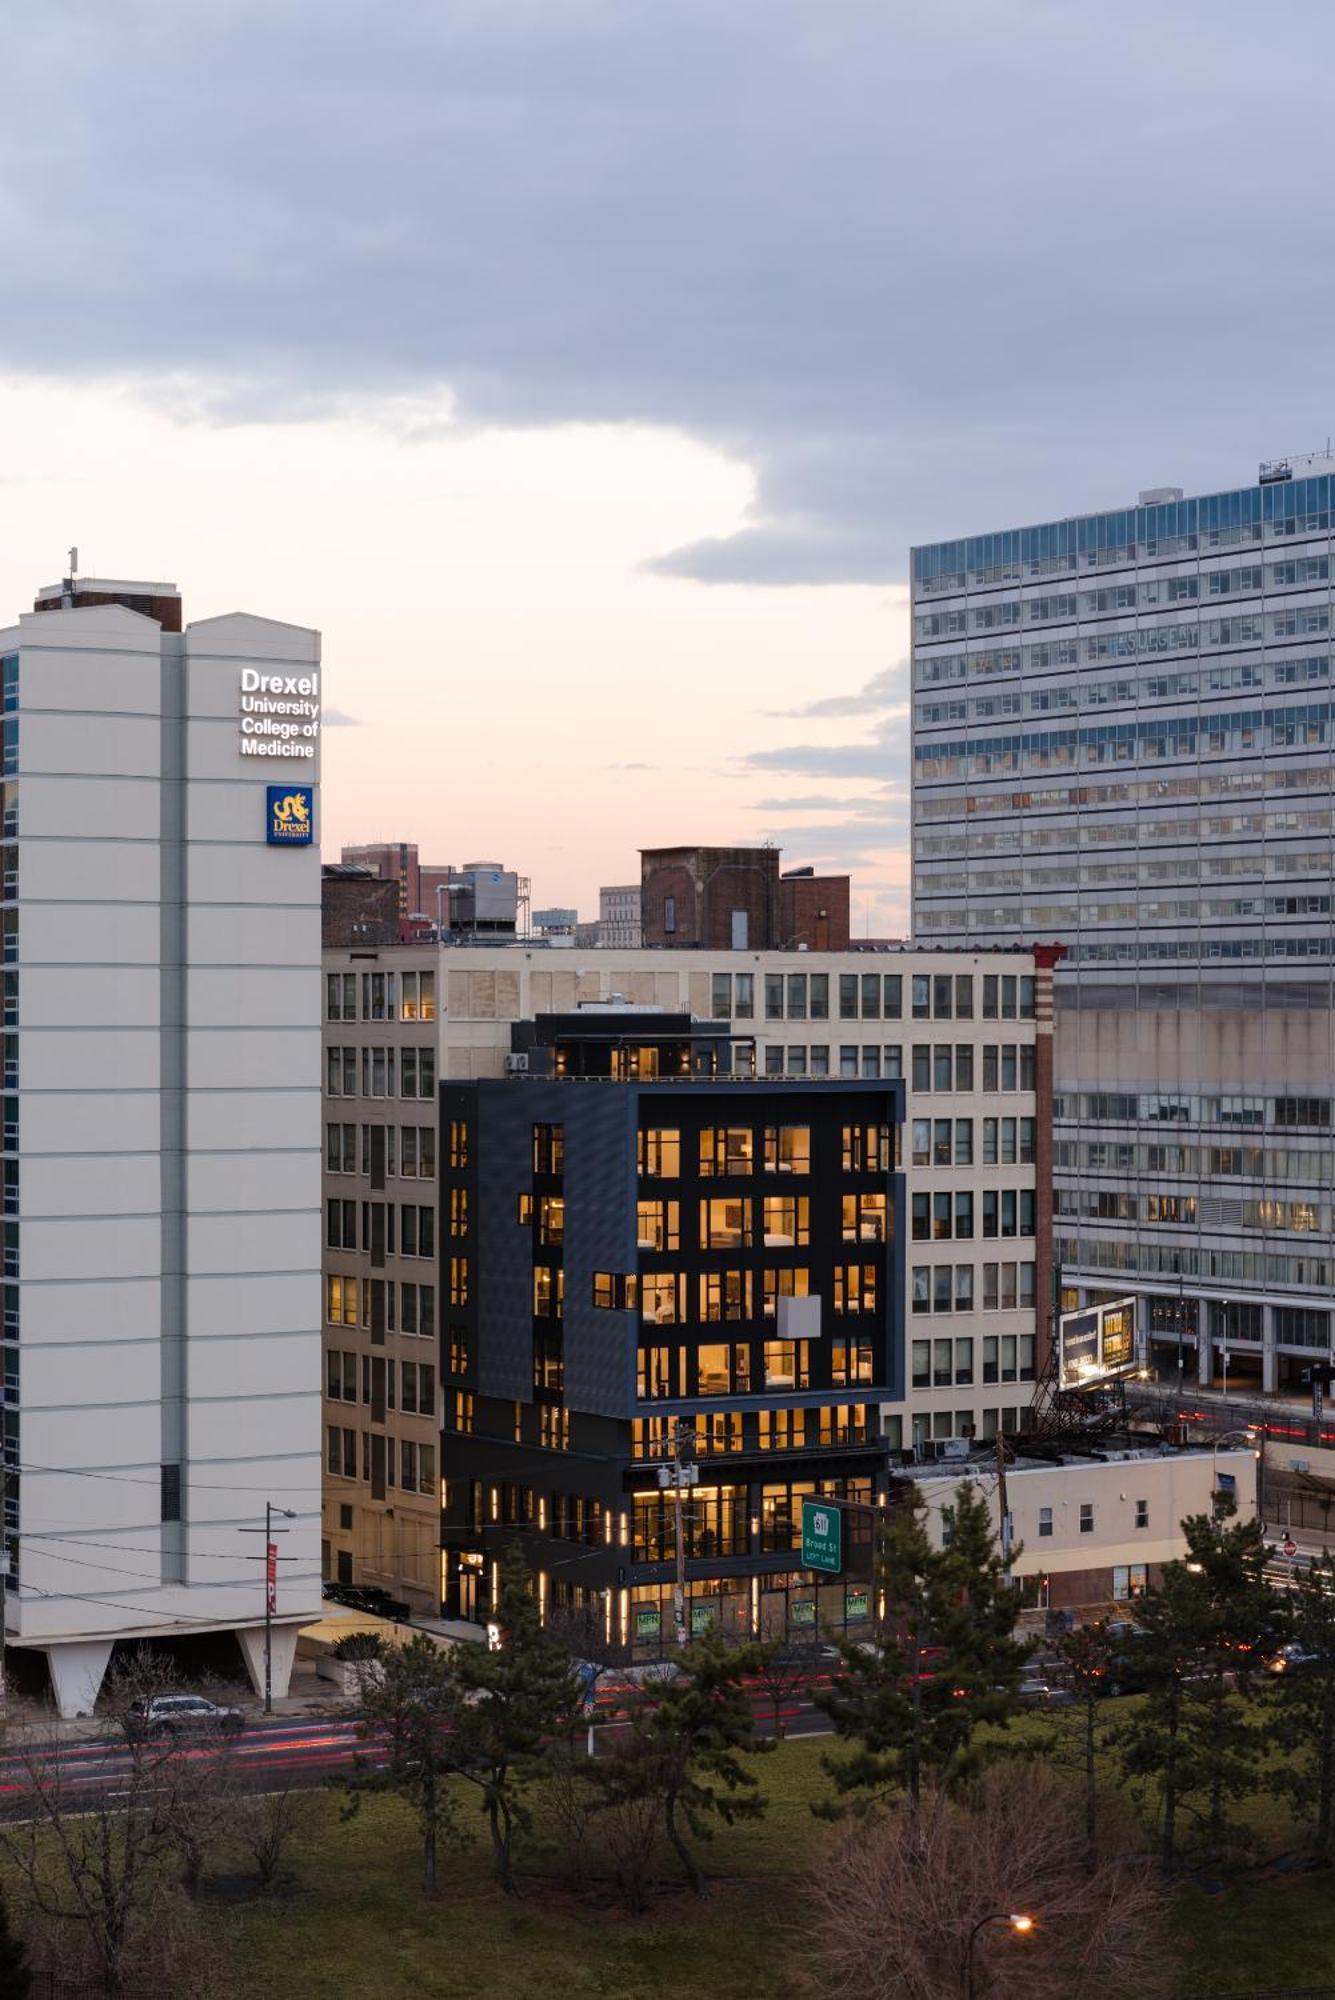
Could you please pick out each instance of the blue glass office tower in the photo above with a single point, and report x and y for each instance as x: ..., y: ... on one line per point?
x: 1121, y: 740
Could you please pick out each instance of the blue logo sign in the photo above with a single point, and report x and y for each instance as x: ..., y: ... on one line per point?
x: 290, y: 816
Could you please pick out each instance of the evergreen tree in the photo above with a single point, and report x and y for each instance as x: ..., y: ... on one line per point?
x: 689, y: 1746
x: 1204, y: 1633
x: 1086, y: 1664
x: 945, y: 1661
x: 411, y: 1703
x: 512, y: 1701
x: 1305, y: 1702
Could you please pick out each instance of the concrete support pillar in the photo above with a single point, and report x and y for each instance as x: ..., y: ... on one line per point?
x: 1204, y: 1344
x: 282, y: 1652
x: 1269, y: 1358
x: 76, y: 1670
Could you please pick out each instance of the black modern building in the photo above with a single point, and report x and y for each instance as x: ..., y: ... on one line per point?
x: 642, y: 1237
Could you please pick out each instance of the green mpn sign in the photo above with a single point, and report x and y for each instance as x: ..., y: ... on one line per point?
x: 822, y: 1536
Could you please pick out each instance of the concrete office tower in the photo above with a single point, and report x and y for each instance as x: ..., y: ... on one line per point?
x: 1122, y: 729
x: 161, y: 1038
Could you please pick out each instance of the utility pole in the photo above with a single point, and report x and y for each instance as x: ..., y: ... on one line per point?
x: 270, y: 1560
x: 1004, y: 1510
x: 683, y: 1439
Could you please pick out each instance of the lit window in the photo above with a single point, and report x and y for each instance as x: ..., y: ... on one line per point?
x: 726, y: 1149
x: 725, y: 1223
x: 660, y: 1154
x: 788, y: 1149
x: 787, y: 1220
x: 787, y: 1364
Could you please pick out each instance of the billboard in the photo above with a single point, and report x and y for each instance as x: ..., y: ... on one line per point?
x: 1096, y: 1344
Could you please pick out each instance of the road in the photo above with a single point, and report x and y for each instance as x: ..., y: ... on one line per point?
x: 270, y: 1756
x: 282, y: 1754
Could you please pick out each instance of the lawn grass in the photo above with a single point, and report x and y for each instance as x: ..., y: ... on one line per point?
x: 354, y: 1920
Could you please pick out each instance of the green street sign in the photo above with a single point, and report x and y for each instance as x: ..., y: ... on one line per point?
x: 822, y: 1536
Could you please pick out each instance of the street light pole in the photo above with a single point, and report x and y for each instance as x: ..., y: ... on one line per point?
x: 1021, y: 1924
x: 270, y: 1588
x: 1226, y: 1437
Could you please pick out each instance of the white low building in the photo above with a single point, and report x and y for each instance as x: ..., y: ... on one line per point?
x: 1095, y: 1528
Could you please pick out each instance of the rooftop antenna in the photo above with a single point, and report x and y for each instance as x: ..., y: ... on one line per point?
x: 74, y: 564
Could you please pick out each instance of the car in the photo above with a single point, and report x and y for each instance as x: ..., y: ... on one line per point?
x: 1034, y: 1692
x: 655, y: 1673
x: 369, y: 1598
x: 1125, y: 1675
x: 182, y: 1715
x: 1291, y: 1659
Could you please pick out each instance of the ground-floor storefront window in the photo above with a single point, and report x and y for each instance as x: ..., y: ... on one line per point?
x: 797, y: 1606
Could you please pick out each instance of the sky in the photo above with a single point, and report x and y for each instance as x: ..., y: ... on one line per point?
x: 585, y: 369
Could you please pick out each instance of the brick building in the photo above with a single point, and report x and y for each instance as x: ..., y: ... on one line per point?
x: 357, y: 908
x: 813, y: 911
x: 734, y: 898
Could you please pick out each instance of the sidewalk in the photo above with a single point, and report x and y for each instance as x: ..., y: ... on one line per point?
x: 311, y: 1698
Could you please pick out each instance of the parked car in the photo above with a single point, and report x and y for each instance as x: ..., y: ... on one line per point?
x: 1034, y: 1692
x: 369, y: 1598
x: 182, y: 1715
x: 1125, y: 1674
x: 1292, y: 1659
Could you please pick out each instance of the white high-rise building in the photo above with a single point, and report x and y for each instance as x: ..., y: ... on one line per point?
x: 1122, y: 729
x: 161, y: 1049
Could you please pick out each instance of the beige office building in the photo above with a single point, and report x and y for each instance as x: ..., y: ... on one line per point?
x: 968, y: 1032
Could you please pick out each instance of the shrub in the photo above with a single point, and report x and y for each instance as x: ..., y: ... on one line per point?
x: 360, y: 1646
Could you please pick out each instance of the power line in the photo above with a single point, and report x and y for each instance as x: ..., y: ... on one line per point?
x: 112, y: 1569
x: 136, y: 1610
x: 133, y: 1479
x: 136, y: 1549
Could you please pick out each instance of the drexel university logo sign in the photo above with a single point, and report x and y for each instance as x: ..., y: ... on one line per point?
x: 289, y: 815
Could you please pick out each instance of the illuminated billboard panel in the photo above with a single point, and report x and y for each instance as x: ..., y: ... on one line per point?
x: 1096, y: 1344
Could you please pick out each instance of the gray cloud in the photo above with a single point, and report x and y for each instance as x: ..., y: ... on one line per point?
x: 337, y: 718
x: 843, y: 836
x: 836, y: 760
x: 822, y: 802
x: 884, y: 757
x: 842, y: 242
x: 882, y: 691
